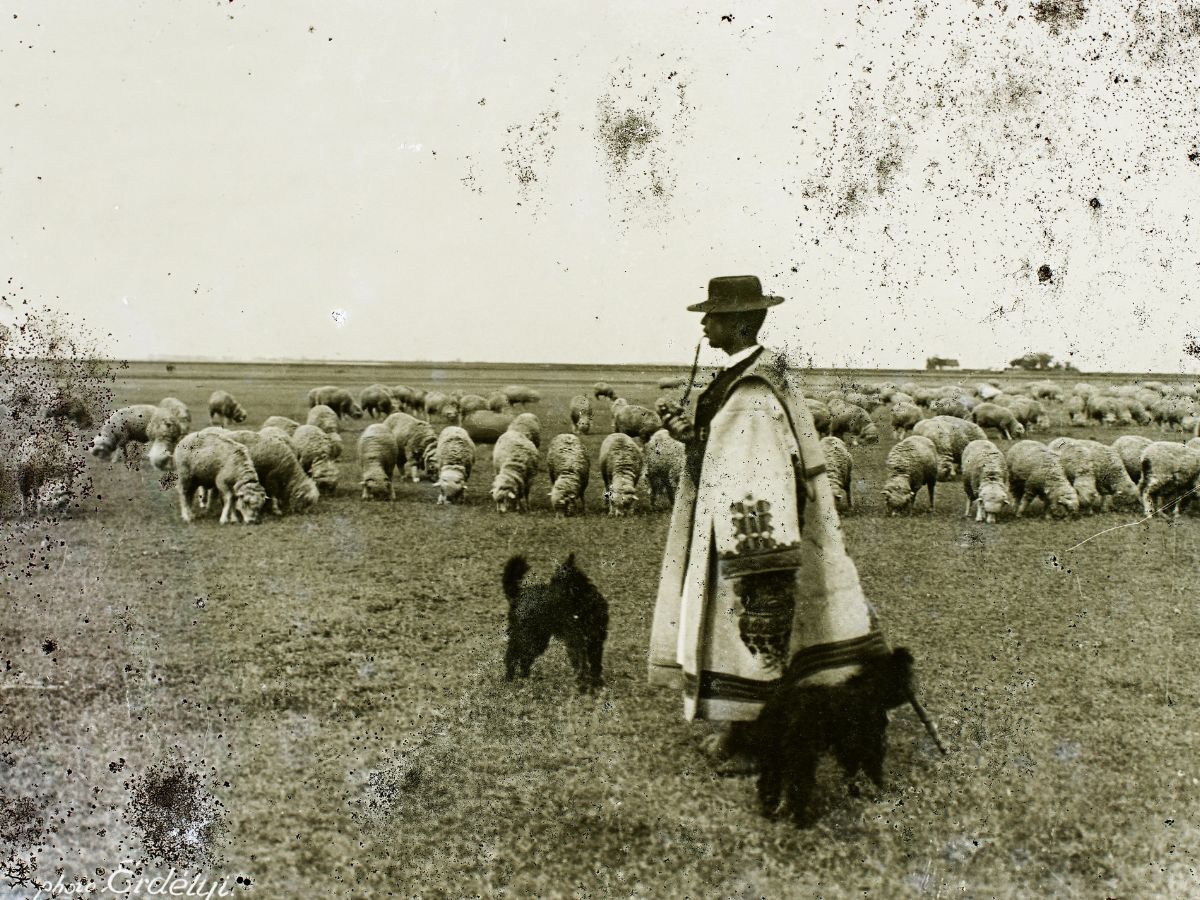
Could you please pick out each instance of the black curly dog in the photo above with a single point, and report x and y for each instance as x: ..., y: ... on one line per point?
x: 568, y: 607
x: 801, y: 721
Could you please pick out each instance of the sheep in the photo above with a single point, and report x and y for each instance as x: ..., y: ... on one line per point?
x: 1077, y: 466
x: 1170, y: 475
x: 340, y: 400
x: 47, y: 470
x: 178, y: 410
x: 567, y: 463
x: 840, y: 467
x: 224, y: 409
x: 663, y: 466
x: 820, y: 415
x: 416, y: 445
x: 992, y: 415
x: 602, y: 390
x: 1027, y: 411
x: 485, y: 426
x: 950, y: 406
x: 529, y: 425
x: 950, y: 435
x: 1076, y: 410
x: 1112, y: 479
x: 377, y: 454
x: 904, y: 417
x: 911, y: 463
x: 1193, y: 443
x: 407, y: 399
x: 497, y: 402
x: 288, y: 425
x: 515, y: 460
x: 315, y: 450
x: 324, y: 418
x: 455, y: 459
x: 1035, y: 471
x: 141, y: 423
x: 376, y: 400
x: 271, y: 431
x: 671, y: 381
x: 63, y: 406
x: 852, y: 422
x: 621, y: 467
x: 635, y: 421
x: 985, y: 480
x: 471, y: 403
x: 434, y: 401
x: 217, y: 462
x: 518, y: 393
x: 581, y: 414
x: 279, y: 471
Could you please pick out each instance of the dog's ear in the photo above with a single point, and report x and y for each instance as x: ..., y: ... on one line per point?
x: 569, y: 562
x: 899, y: 677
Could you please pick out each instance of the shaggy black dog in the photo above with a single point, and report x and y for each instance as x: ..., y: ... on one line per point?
x: 803, y: 720
x: 567, y: 607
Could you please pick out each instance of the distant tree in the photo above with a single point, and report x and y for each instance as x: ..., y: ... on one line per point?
x: 170, y: 367
x: 1035, y: 361
x: 939, y: 362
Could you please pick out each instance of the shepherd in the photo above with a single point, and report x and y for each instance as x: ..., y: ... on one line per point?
x: 755, y: 574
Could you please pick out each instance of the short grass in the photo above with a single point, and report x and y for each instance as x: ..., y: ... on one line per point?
x: 335, y: 682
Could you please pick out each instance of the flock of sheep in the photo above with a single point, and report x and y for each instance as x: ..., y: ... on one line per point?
x: 942, y: 435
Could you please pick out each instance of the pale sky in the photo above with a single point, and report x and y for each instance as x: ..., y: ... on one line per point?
x: 556, y: 182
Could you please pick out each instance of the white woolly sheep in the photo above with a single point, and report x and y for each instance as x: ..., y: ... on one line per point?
x: 340, y: 400
x: 498, y: 401
x: 376, y: 400
x: 455, y: 459
x: 852, y: 423
x: 288, y: 425
x: 377, y: 454
x: 635, y: 421
x: 139, y: 424
x: 47, y: 471
x: 671, y: 381
x: 581, y: 414
x: 279, y: 472
x: 471, y: 403
x: 840, y: 467
x: 950, y: 435
x: 519, y: 394
x: 911, y: 464
x: 904, y: 417
x: 1112, y: 479
x: 985, y: 480
x: 416, y: 446
x: 568, y: 466
x: 515, y: 460
x: 993, y: 415
x: 602, y: 389
x: 529, y: 425
x: 620, y: 467
x: 1170, y: 477
x: 820, y: 415
x: 324, y: 418
x: 223, y: 409
x: 1077, y: 466
x: 664, y: 461
x: 485, y: 426
x: 317, y: 451
x: 216, y: 462
x: 270, y: 431
x: 1035, y: 471
x: 178, y: 410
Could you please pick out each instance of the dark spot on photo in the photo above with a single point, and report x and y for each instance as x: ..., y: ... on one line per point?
x: 1044, y: 274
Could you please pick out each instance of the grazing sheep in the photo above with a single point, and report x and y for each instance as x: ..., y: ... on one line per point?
x: 178, y: 410
x: 288, y: 425
x: 519, y: 394
x: 621, y: 467
x: 377, y: 454
x: 408, y: 399
x: 1077, y: 466
x: 840, y: 467
x: 141, y: 424
x: 324, y: 418
x: 635, y: 421
x: 529, y: 425
x: 485, y: 426
x: 993, y: 415
x: 47, y: 470
x: 1027, y: 411
x: 853, y: 423
x: 602, y: 389
x: 581, y: 414
x: 223, y: 409
x: 567, y: 463
x: 904, y: 417
x: 340, y: 400
x: 270, y: 431
x: 1035, y: 471
x: 455, y: 459
x: 820, y: 415
x: 985, y: 480
x: 376, y: 400
x: 515, y: 460
x: 663, y: 466
x: 434, y: 402
x: 950, y: 435
x: 911, y: 464
x: 279, y: 472
x: 671, y: 381
x: 1112, y: 479
x: 498, y: 402
x: 1170, y: 477
x: 62, y: 406
x: 471, y: 402
x: 317, y: 451
x: 1193, y: 443
x: 1076, y: 410
x: 217, y: 462
x: 419, y: 450
x: 950, y: 406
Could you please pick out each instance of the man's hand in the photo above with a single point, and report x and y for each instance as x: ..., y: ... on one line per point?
x: 675, y: 419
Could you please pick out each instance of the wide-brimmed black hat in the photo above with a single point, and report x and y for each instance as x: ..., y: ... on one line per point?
x: 735, y: 293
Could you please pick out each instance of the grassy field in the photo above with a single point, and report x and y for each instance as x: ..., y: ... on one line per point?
x: 328, y: 691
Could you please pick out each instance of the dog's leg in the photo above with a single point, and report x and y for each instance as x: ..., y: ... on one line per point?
x: 873, y: 746
x: 595, y: 660
x: 510, y: 664
x: 770, y: 783
x: 801, y: 779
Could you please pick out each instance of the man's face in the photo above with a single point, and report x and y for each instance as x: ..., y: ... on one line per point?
x: 721, y: 329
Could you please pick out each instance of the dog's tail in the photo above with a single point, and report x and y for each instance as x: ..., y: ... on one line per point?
x: 514, y: 573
